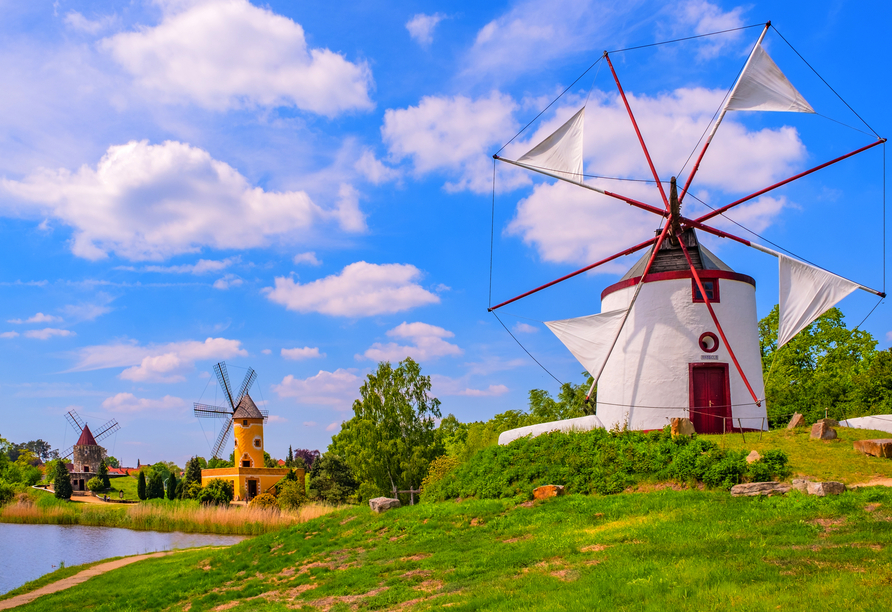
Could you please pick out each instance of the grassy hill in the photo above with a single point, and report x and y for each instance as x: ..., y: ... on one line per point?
x: 664, y: 550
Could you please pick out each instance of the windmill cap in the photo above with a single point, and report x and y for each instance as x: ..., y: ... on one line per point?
x: 87, y: 438
x: 247, y: 409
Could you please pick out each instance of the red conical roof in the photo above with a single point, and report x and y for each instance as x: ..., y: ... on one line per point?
x: 86, y: 438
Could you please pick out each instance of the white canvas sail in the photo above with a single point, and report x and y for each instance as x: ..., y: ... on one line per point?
x: 560, y: 153
x: 763, y: 87
x: 590, y: 338
x: 806, y: 293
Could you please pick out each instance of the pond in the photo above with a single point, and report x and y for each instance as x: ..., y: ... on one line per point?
x: 27, y: 552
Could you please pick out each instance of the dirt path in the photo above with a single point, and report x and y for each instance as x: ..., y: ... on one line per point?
x: 874, y: 482
x: 67, y: 583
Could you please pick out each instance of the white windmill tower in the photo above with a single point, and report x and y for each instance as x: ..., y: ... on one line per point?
x: 678, y: 336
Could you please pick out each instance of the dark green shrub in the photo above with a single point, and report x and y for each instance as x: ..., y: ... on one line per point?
x: 155, y: 486
x: 772, y: 466
x: 332, y: 480
x: 95, y: 484
x: 141, y: 485
x: 103, y: 475
x: 292, y: 495
x: 62, y: 482
x: 217, y: 492
x: 172, y: 486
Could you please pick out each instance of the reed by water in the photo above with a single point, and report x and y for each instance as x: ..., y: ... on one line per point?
x: 185, y: 516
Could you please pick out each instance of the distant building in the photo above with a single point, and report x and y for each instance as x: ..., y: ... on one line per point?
x: 86, y: 460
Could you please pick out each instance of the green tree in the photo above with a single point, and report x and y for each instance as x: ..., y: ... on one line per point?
x: 112, y: 462
x: 818, y: 371
x: 172, y: 486
x: 217, y: 492
x: 155, y: 486
x: 268, y: 461
x: 193, y: 472
x: 141, y: 485
x: 331, y: 479
x: 62, y: 482
x: 289, y: 460
x: 103, y: 475
x: 391, y: 439
x: 95, y: 484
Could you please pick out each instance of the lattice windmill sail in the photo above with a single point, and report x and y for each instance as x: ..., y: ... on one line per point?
x: 239, y: 404
x: 677, y: 336
x: 85, y: 436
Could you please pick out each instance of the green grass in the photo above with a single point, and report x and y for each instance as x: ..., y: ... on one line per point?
x: 666, y: 550
x: 817, y: 459
x: 127, y: 484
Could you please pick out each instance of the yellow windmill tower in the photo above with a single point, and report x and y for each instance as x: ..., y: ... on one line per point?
x: 248, y: 475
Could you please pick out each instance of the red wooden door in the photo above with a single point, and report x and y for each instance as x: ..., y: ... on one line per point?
x: 709, y: 398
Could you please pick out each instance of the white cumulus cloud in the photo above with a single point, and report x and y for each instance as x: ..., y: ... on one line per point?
x: 230, y: 280
x: 452, y: 135
x: 9, y: 334
x: 296, y: 354
x: 337, y: 389
x: 360, y: 290
x: 155, y: 363
x: 426, y: 343
x: 127, y: 402
x: 307, y: 258
x: 444, y: 385
x: 38, y: 318
x: 223, y: 54
x: 146, y: 201
x: 421, y: 27
x: 47, y: 333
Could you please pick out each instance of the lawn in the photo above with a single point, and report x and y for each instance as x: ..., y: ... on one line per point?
x: 664, y: 550
x: 817, y: 459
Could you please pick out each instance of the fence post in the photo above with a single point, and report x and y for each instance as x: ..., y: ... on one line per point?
x: 742, y: 433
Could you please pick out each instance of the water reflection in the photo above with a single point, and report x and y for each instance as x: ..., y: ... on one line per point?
x: 30, y: 551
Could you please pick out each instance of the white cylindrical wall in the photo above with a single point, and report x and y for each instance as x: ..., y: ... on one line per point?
x: 646, y: 381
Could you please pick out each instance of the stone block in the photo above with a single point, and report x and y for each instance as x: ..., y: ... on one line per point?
x: 829, y: 422
x: 801, y: 484
x: 546, y: 491
x: 380, y: 504
x: 682, y: 427
x: 754, y: 489
x: 753, y: 457
x: 822, y: 489
x: 877, y: 448
x: 797, y: 421
x: 822, y: 431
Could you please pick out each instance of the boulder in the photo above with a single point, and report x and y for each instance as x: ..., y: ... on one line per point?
x: 801, y: 484
x: 754, y: 489
x: 877, y: 448
x: 822, y: 431
x: 753, y: 457
x: 548, y: 491
x: 682, y: 427
x: 380, y: 504
x: 797, y: 421
x: 822, y: 489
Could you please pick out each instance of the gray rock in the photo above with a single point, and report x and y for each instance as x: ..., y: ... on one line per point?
x: 822, y: 489
x: 754, y: 489
x: 822, y: 431
x: 801, y: 484
x: 877, y: 448
x: 380, y: 504
x: 797, y: 421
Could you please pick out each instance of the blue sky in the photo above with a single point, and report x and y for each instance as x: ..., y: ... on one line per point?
x: 309, y: 192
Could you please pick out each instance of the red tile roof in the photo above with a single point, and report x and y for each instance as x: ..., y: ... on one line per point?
x: 86, y: 438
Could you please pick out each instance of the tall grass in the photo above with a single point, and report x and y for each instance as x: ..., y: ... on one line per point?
x: 191, y: 518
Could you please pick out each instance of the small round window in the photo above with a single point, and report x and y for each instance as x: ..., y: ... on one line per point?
x: 709, y: 342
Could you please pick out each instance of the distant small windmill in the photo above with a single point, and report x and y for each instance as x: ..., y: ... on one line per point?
x: 85, y: 436
x: 240, y: 405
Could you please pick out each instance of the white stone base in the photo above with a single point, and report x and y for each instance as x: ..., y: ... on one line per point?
x: 586, y: 423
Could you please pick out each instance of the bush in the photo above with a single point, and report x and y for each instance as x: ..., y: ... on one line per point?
x: 172, y: 486
x: 103, y: 475
x: 95, y: 484
x: 141, y: 485
x: 218, y: 492
x: 265, y: 501
x: 332, y: 480
x: 7, y: 492
x: 155, y: 486
x: 772, y: 466
x: 62, y: 482
x: 439, y: 467
x: 597, y: 461
x: 292, y: 495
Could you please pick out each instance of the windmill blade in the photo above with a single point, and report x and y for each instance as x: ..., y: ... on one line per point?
x: 221, y: 439
x: 250, y: 377
x: 206, y: 411
x: 265, y: 414
x: 75, y: 421
x: 223, y: 379
x: 67, y: 453
x: 107, y: 430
